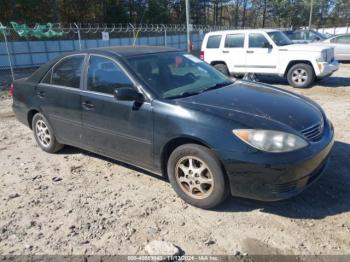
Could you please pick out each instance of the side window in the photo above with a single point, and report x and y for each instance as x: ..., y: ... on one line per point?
x: 258, y: 41
x: 297, y: 36
x: 104, y: 75
x: 234, y: 41
x: 68, y: 71
x: 342, y: 39
x: 214, y: 41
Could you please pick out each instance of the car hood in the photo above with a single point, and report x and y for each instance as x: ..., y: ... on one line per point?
x: 314, y: 47
x: 257, y: 100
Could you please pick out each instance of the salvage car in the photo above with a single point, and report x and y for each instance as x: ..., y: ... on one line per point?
x: 305, y: 36
x: 170, y: 113
x: 341, y: 44
x: 268, y: 52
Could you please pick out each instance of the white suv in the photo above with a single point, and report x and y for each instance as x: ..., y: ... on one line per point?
x: 271, y: 52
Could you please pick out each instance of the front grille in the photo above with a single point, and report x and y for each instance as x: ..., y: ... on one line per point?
x: 330, y: 54
x: 313, y: 133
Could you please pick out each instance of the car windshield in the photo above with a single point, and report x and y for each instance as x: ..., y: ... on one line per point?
x: 320, y: 35
x: 280, y: 38
x: 177, y: 74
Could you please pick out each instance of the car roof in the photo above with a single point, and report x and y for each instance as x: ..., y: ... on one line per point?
x: 243, y: 31
x: 127, y: 51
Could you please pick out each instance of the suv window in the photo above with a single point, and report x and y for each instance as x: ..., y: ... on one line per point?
x: 214, y: 41
x: 297, y: 35
x: 258, y: 41
x: 68, y: 71
x: 234, y: 41
x: 105, y: 76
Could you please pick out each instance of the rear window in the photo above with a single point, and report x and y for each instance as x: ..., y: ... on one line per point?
x: 234, y: 41
x: 214, y: 41
x: 68, y: 71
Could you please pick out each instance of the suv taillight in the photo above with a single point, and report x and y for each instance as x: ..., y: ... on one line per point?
x: 12, y: 89
x: 201, y: 55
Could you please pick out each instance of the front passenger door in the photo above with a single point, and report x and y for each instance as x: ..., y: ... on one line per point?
x: 261, y: 57
x: 111, y: 127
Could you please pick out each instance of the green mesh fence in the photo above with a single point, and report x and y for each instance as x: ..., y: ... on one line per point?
x: 39, y: 31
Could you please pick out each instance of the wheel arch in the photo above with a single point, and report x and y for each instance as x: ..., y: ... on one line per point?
x: 174, y: 143
x: 294, y: 62
x: 216, y: 62
x: 31, y: 113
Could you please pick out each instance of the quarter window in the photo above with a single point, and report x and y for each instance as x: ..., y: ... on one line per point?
x: 47, y: 78
x: 234, y: 41
x: 68, y: 72
x: 214, y: 41
x: 258, y: 41
x: 105, y: 76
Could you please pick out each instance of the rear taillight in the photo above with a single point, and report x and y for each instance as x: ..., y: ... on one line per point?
x: 12, y: 89
x: 201, y: 55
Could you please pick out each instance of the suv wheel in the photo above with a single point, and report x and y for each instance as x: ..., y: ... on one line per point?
x: 43, y: 134
x: 196, y: 176
x: 222, y: 68
x: 301, y: 75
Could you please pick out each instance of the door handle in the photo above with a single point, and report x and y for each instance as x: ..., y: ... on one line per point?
x: 250, y: 52
x: 88, y: 105
x: 225, y: 51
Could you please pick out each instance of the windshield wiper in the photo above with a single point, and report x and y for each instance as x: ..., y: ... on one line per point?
x: 187, y: 93
x: 183, y: 94
x: 218, y: 85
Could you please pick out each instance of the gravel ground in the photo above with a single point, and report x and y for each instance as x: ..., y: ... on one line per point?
x: 75, y: 202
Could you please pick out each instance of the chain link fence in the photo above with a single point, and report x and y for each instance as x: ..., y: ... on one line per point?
x: 24, y: 48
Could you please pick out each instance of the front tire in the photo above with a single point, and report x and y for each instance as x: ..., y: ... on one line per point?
x: 301, y: 75
x: 196, y: 176
x: 222, y: 68
x: 44, y: 135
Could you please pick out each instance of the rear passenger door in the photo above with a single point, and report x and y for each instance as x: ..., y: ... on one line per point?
x: 58, y: 96
x: 115, y: 128
x: 233, y: 52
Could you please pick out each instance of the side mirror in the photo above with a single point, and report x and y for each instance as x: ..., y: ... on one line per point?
x: 128, y: 94
x: 268, y: 45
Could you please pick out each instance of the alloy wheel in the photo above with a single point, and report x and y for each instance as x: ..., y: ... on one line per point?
x: 299, y: 76
x: 194, y: 177
x: 43, y: 133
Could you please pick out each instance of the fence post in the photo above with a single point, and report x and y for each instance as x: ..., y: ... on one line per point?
x: 79, y: 38
x: 165, y: 43
x: 7, y: 50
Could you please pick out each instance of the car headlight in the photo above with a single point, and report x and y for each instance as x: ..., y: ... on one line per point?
x: 269, y: 140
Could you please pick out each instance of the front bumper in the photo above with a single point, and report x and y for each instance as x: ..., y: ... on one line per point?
x: 326, y: 69
x: 271, y: 177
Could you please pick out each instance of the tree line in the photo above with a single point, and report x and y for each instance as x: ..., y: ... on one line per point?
x: 233, y: 13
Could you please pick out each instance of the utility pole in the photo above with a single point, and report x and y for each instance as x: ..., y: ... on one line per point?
x: 188, y: 26
x: 311, y: 9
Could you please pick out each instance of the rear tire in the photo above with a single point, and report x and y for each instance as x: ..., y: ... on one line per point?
x: 44, y: 135
x: 196, y: 176
x: 301, y: 75
x: 222, y: 68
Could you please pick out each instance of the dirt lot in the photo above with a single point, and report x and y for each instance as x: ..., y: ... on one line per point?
x: 75, y: 202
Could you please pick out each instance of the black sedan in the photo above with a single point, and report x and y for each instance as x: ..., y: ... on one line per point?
x: 170, y: 113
